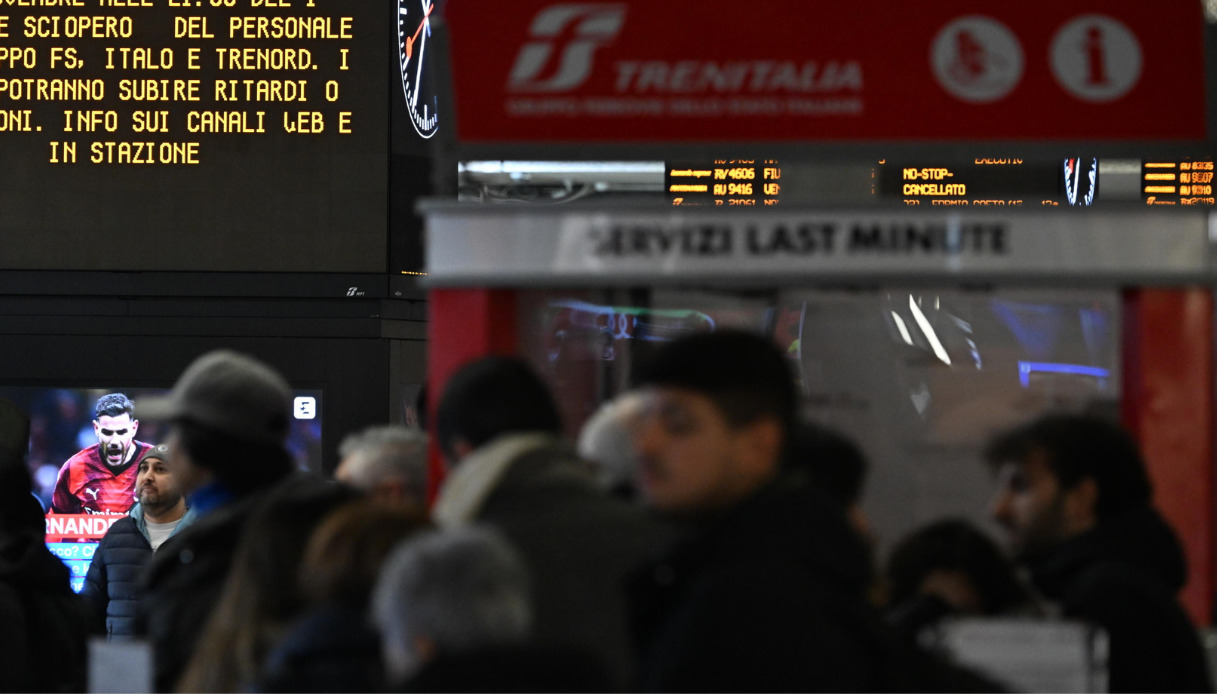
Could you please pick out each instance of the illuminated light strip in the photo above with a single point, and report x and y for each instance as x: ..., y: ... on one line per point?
x: 1159, y: 177
x: 928, y: 330
x: 904, y: 331
x: 1159, y: 189
x: 1160, y: 165
x: 420, y: 274
x: 624, y: 329
x: 1026, y: 367
x: 685, y: 188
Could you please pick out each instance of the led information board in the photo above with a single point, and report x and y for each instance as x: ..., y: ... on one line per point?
x: 1077, y: 181
x: 194, y: 134
x: 979, y: 182
x: 1177, y: 182
x: 724, y: 183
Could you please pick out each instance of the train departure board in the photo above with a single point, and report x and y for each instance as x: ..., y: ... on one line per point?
x: 236, y: 135
x: 724, y: 183
x: 1177, y: 182
x: 977, y: 182
x: 1073, y: 181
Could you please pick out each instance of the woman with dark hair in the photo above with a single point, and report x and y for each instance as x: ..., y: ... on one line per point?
x: 834, y: 465
x: 333, y: 646
x: 260, y: 596
x: 950, y: 567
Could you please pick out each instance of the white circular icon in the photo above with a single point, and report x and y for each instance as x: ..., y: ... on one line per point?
x: 977, y: 59
x: 1096, y: 58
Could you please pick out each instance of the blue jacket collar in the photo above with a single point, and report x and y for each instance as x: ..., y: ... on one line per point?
x: 209, y: 497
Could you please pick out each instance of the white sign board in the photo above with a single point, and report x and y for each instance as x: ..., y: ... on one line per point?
x: 480, y: 246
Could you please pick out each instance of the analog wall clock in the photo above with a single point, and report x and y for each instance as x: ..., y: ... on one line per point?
x: 413, y: 32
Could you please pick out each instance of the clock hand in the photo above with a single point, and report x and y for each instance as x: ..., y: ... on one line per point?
x: 410, y: 40
x: 418, y: 76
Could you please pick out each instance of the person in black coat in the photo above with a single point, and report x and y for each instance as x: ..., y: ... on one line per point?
x: 765, y: 591
x: 44, y: 626
x: 114, y: 578
x: 1075, y: 498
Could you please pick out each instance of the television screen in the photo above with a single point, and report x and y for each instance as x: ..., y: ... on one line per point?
x: 62, y: 426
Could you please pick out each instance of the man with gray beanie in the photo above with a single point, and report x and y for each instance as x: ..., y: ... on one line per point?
x: 113, y: 583
x: 230, y: 415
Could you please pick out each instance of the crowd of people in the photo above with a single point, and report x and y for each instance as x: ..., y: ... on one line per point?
x: 700, y: 537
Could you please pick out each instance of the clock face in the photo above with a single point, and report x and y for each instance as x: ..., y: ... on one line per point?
x: 413, y: 34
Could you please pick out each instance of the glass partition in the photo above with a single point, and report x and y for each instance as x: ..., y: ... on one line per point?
x: 919, y: 378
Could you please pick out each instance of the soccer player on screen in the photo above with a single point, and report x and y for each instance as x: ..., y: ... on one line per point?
x: 101, y: 478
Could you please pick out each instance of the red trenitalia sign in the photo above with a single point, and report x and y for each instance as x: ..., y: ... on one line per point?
x: 787, y: 71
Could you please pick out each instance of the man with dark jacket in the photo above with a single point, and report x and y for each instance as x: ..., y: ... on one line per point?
x: 500, y: 431
x: 230, y: 416
x: 114, y: 579
x: 765, y: 590
x: 1075, y: 498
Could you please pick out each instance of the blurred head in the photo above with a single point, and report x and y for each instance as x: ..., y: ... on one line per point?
x: 386, y: 462
x: 115, y: 426
x: 275, y: 537
x: 954, y: 547
x: 1060, y: 475
x: 199, y: 455
x: 20, y: 512
x: 490, y: 397
x: 230, y: 415
x: 717, y: 413
x: 833, y: 463
x: 450, y: 592
x: 14, y: 433
x: 345, y: 554
x: 155, y: 487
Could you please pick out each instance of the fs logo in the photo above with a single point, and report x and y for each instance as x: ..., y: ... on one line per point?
x: 585, y: 26
x: 355, y: 291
